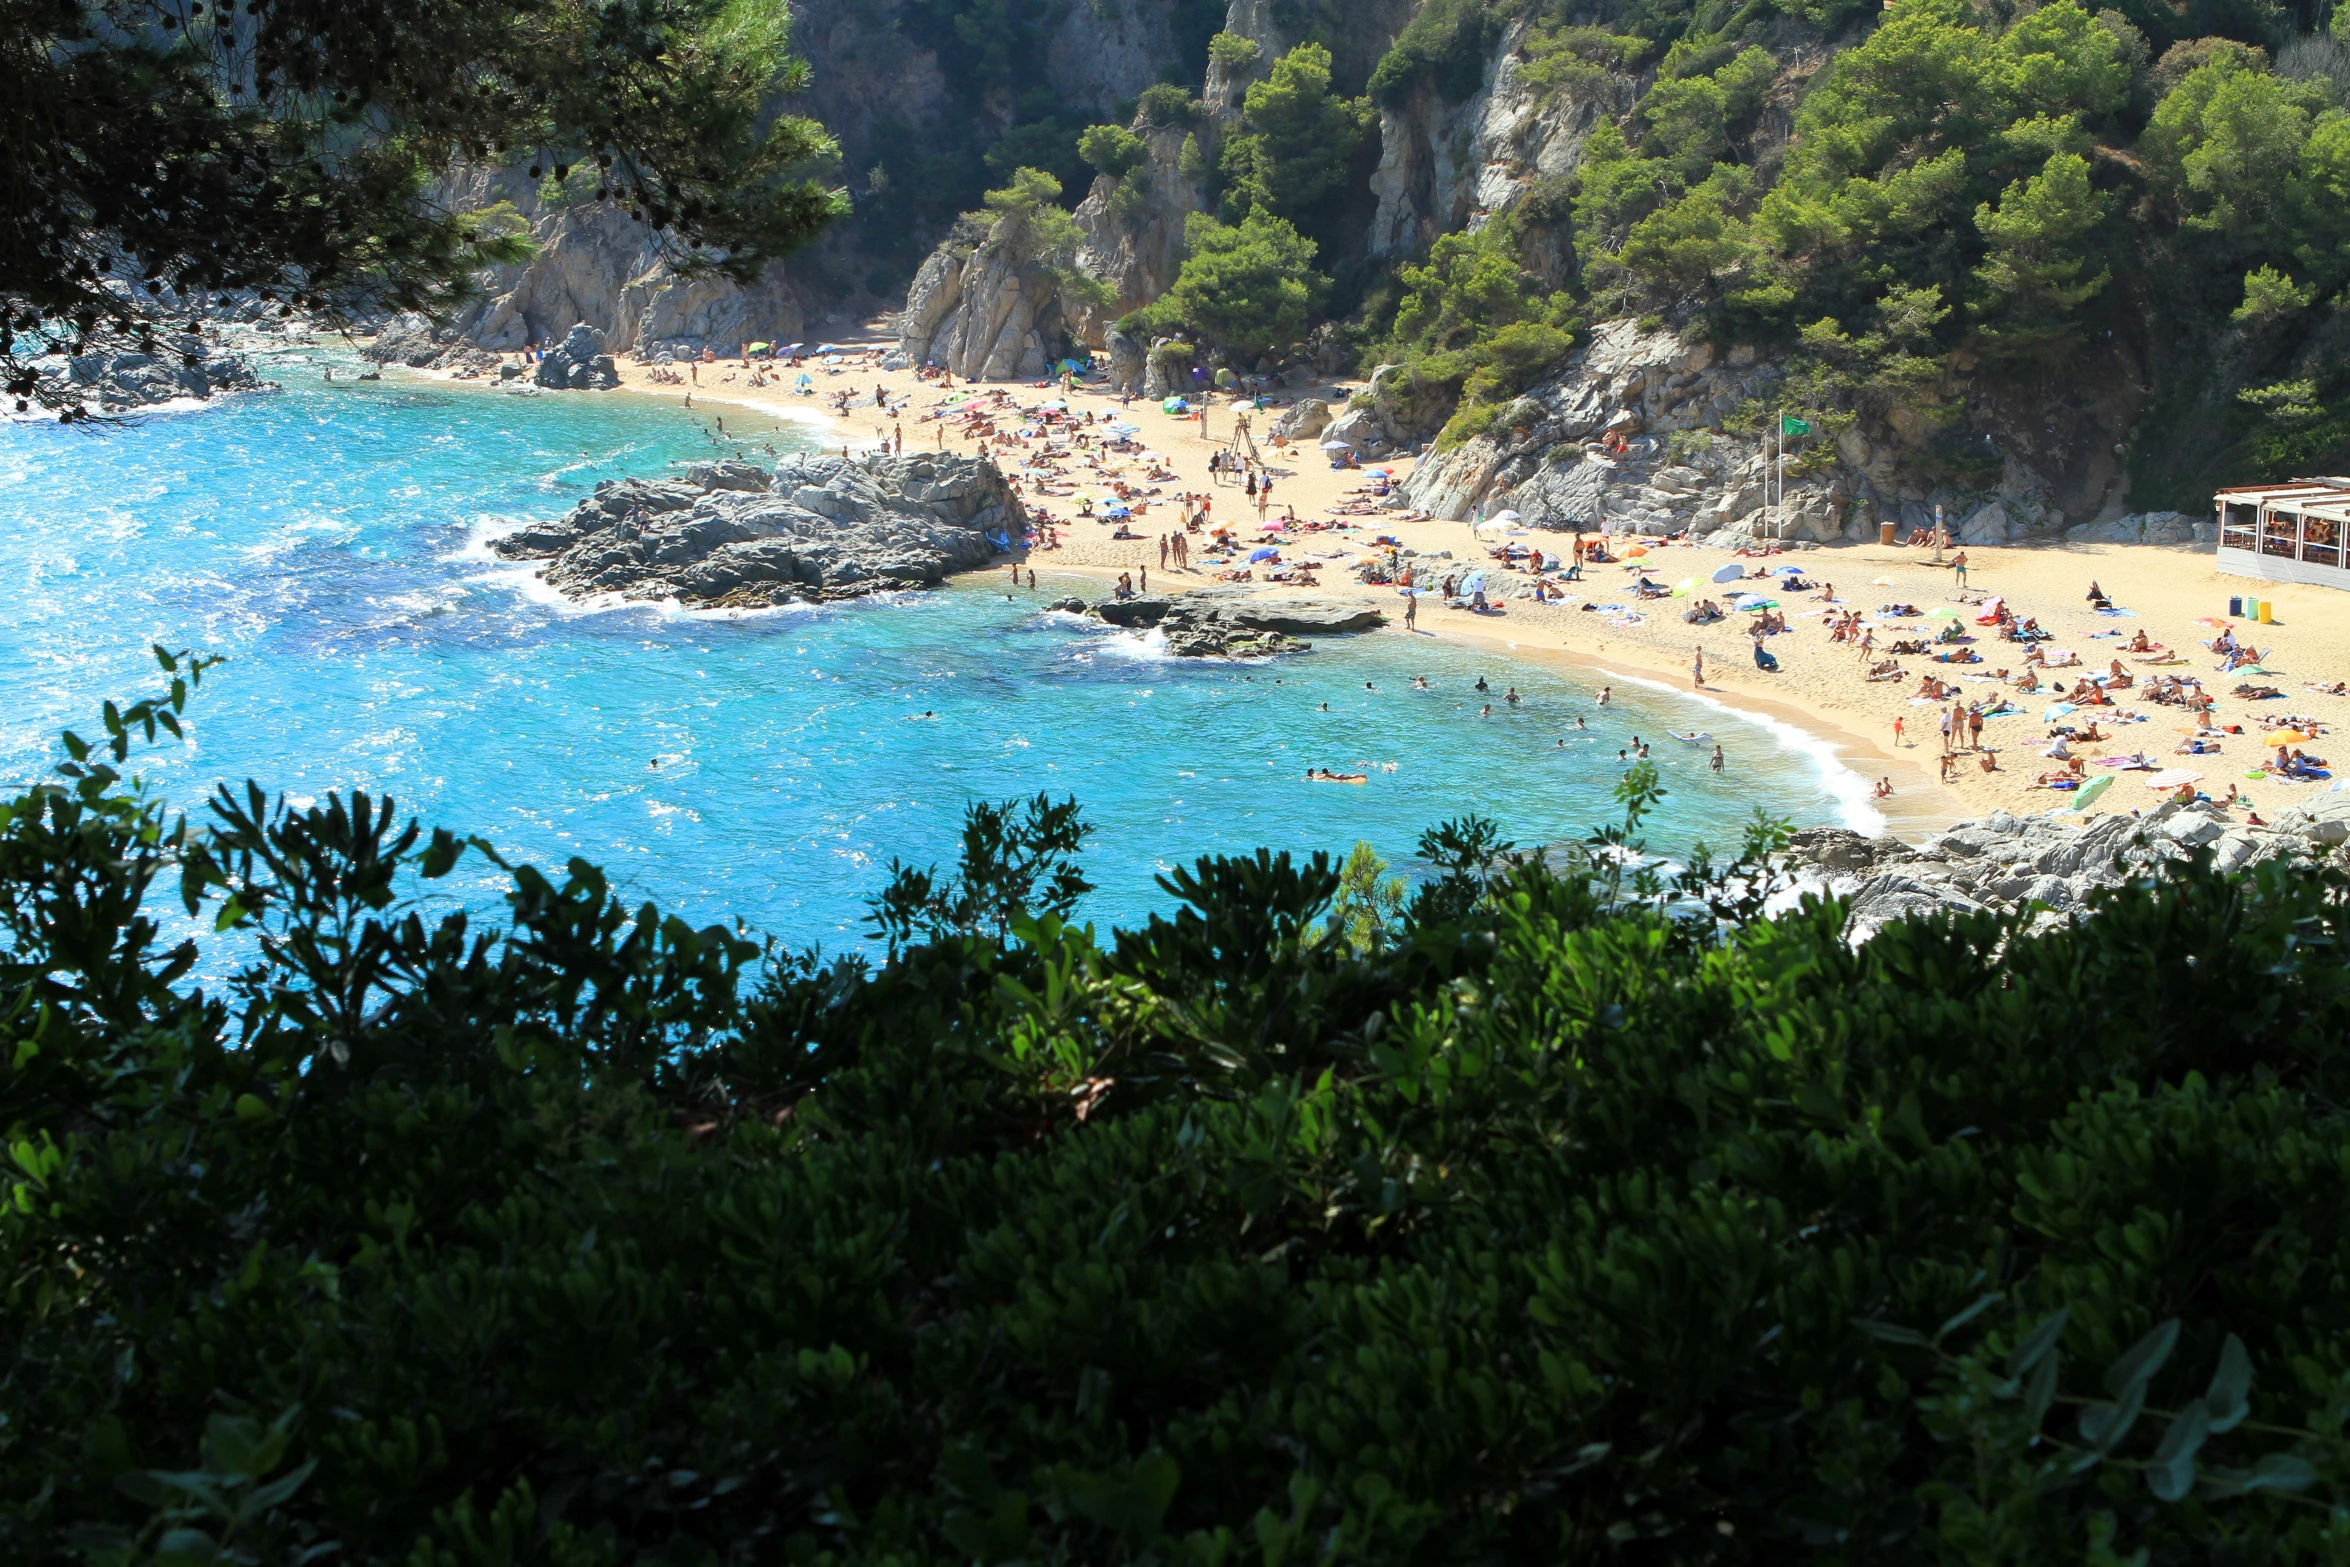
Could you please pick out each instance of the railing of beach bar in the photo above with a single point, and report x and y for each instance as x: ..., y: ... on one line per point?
x: 2291, y: 532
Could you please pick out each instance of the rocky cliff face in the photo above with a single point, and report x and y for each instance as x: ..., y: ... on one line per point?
x: 1549, y: 456
x: 729, y: 535
x: 979, y: 313
x: 2055, y: 862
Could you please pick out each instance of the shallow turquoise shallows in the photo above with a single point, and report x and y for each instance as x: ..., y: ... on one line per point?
x: 329, y: 541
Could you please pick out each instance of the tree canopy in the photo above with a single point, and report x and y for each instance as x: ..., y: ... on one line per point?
x: 1553, y: 1211
x: 164, y: 149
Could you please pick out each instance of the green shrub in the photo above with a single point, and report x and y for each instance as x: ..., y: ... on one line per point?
x: 1571, y: 1213
x: 1250, y: 287
x: 1113, y: 150
x: 1233, y: 51
x: 1165, y: 106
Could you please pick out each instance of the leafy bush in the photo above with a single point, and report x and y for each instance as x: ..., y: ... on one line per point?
x: 1250, y: 287
x: 1233, y: 51
x: 1567, y: 1212
x: 1113, y: 150
x: 1290, y: 158
x: 1165, y: 106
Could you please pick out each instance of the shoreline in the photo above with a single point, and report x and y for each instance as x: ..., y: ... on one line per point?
x: 1817, y: 692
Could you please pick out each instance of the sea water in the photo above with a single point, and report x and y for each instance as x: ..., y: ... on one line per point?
x: 329, y: 542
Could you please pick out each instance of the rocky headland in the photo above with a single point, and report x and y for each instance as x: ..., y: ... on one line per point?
x: 1229, y: 622
x: 184, y: 365
x: 2006, y: 863
x: 728, y: 535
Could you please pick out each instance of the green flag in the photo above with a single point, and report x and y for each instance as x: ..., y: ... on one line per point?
x: 1790, y: 425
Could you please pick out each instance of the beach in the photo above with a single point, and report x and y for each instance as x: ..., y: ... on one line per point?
x: 2174, y: 594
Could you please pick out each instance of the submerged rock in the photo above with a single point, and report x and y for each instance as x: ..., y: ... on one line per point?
x: 1232, y: 622
x: 732, y: 535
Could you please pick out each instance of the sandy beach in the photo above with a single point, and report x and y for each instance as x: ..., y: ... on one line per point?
x: 2174, y: 594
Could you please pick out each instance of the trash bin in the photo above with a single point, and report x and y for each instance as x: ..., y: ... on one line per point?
x: 2236, y: 606
x: 2265, y: 607
x: 1888, y: 532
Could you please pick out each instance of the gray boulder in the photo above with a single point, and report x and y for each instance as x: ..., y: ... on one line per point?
x: 729, y: 535
x: 580, y: 364
x: 1305, y: 421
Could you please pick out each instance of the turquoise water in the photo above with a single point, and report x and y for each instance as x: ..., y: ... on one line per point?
x: 329, y: 541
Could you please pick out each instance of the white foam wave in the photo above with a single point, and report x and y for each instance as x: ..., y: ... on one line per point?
x: 1855, y: 800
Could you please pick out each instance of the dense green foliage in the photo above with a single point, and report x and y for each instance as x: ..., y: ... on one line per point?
x: 288, y: 148
x: 1972, y: 195
x: 1476, y: 324
x: 1296, y: 144
x: 1250, y: 287
x: 1524, y: 1221
x: 1289, y: 180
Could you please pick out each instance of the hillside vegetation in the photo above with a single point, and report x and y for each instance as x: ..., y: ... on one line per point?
x: 1921, y: 207
x: 1550, y: 1212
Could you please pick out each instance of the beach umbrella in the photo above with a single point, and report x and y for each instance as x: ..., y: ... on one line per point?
x: 1116, y: 511
x: 1635, y: 552
x: 1262, y: 554
x: 1475, y: 580
x: 1786, y: 571
x: 757, y: 348
x: 2057, y: 711
x: 1943, y: 612
x: 1337, y: 446
x: 1728, y: 573
x: 1880, y: 582
x: 1272, y: 527
x: 2090, y: 791
x: 2277, y: 737
x: 1682, y: 587
x: 1499, y: 516
x: 2172, y: 778
x: 1173, y: 405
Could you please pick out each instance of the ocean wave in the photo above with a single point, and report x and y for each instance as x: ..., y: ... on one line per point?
x: 1854, y: 795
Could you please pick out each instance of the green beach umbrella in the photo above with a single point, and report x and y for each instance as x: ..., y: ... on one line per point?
x: 2090, y: 791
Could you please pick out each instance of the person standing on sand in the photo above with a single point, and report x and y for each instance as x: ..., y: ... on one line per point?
x: 1697, y: 670
x: 1411, y: 611
x: 1146, y: 579
x: 1162, y: 552
x: 1958, y: 569
x: 1898, y: 726
x: 1974, y: 723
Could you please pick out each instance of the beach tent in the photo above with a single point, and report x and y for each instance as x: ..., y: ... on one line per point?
x: 1730, y: 572
x: 1174, y: 405
x: 1117, y: 511
x: 2090, y: 791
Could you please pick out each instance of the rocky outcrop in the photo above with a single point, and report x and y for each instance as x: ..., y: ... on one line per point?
x: 184, y: 366
x: 729, y: 535
x: 579, y: 364
x: 1445, y: 167
x: 1230, y: 622
x: 2008, y: 864
x: 980, y: 313
x: 2148, y: 527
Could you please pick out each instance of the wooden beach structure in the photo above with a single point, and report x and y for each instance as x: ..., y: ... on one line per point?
x: 2289, y: 532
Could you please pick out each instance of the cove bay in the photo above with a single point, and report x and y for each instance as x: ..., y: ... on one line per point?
x: 329, y: 542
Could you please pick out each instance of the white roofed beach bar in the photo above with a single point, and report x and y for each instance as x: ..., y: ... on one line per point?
x: 2290, y: 532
